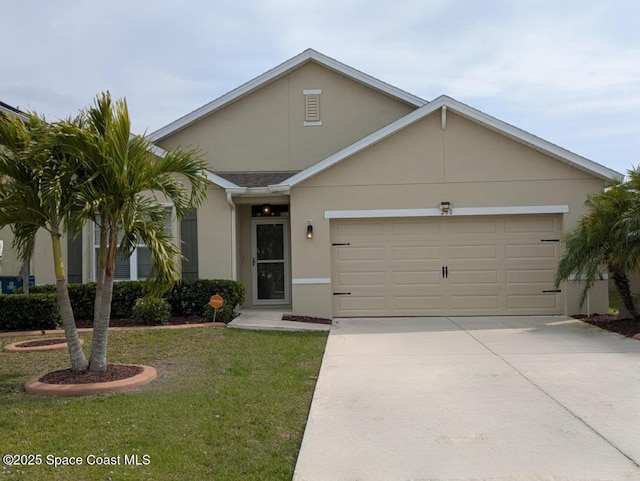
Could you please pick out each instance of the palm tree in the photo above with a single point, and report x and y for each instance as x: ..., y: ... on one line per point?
x: 603, y: 239
x: 123, y: 200
x: 36, y: 192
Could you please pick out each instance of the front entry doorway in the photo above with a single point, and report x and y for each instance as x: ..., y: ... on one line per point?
x: 270, y: 261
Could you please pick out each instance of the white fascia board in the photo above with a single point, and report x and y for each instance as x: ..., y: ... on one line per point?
x: 456, y: 211
x: 276, y: 73
x: 159, y: 151
x: 366, y: 79
x: 311, y: 280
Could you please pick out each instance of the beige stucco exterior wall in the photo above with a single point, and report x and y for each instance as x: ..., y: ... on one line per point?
x: 419, y: 167
x: 42, y: 262
x: 264, y: 131
x: 214, y: 237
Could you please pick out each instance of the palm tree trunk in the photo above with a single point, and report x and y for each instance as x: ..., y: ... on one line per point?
x: 24, y: 273
x: 101, y: 326
x: 76, y: 354
x: 102, y: 261
x: 621, y: 281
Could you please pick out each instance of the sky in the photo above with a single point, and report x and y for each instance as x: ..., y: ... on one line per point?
x: 567, y: 71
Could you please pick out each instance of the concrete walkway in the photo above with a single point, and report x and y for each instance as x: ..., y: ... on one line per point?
x: 500, y: 399
x: 271, y: 320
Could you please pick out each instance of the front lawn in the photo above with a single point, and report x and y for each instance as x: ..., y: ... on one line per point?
x: 227, y: 405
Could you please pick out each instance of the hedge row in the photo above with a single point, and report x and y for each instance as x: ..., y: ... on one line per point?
x: 188, y: 298
x: 19, y: 312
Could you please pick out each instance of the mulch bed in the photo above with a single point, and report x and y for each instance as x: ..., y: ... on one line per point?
x: 114, y: 372
x: 610, y: 322
x: 315, y: 320
x: 41, y: 342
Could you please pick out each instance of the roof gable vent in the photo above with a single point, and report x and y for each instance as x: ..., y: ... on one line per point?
x: 312, y: 107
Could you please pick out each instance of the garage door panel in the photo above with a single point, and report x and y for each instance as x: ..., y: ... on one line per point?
x: 531, y: 225
x: 531, y: 276
x: 483, y: 252
x: 495, y: 264
x: 360, y: 230
x: 425, y: 302
x: 410, y: 229
x: 535, y: 302
x: 416, y: 253
x: 417, y: 278
x: 461, y: 277
x: 474, y: 302
x: 467, y: 226
x: 365, y: 279
x: 361, y: 254
x: 531, y: 251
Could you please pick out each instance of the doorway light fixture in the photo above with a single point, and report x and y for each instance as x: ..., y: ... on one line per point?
x: 309, y: 230
x: 445, y: 207
x: 266, y: 209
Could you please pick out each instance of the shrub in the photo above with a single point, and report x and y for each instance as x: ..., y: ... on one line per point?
x: 35, y: 311
x: 125, y: 295
x: 191, y: 298
x: 151, y: 311
x: 187, y: 298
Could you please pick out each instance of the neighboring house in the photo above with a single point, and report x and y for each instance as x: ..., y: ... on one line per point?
x: 9, y: 265
x: 336, y: 194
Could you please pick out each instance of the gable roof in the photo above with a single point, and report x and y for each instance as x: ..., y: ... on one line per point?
x: 444, y: 102
x: 275, y: 73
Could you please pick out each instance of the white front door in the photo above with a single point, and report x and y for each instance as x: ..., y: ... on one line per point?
x: 270, y: 261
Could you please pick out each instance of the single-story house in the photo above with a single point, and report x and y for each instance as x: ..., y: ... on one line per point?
x: 336, y: 194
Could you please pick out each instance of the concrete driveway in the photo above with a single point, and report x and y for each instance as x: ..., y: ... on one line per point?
x: 501, y: 399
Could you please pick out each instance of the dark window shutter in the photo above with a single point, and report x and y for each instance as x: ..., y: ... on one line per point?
x: 74, y: 259
x: 189, y: 237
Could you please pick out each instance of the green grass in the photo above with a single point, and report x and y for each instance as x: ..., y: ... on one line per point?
x: 614, y: 302
x: 227, y: 405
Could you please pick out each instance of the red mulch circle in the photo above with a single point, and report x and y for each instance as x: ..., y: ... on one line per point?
x: 114, y: 372
x: 610, y: 322
x: 41, y: 342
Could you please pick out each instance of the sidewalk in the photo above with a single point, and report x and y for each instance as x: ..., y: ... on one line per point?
x: 271, y: 320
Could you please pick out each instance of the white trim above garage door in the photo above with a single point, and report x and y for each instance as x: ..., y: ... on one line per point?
x: 390, y: 213
x: 449, y: 265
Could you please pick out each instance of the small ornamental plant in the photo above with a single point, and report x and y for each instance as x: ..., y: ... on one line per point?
x: 151, y: 311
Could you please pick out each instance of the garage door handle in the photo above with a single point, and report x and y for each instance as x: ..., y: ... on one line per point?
x: 553, y: 290
x: 446, y: 271
x: 549, y: 240
x: 443, y: 272
x: 340, y: 244
x: 341, y: 293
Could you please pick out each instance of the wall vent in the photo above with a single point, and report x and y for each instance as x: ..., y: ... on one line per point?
x: 312, y: 107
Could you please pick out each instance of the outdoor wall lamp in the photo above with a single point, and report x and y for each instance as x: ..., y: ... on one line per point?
x: 309, y: 230
x: 266, y: 209
x: 445, y: 207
